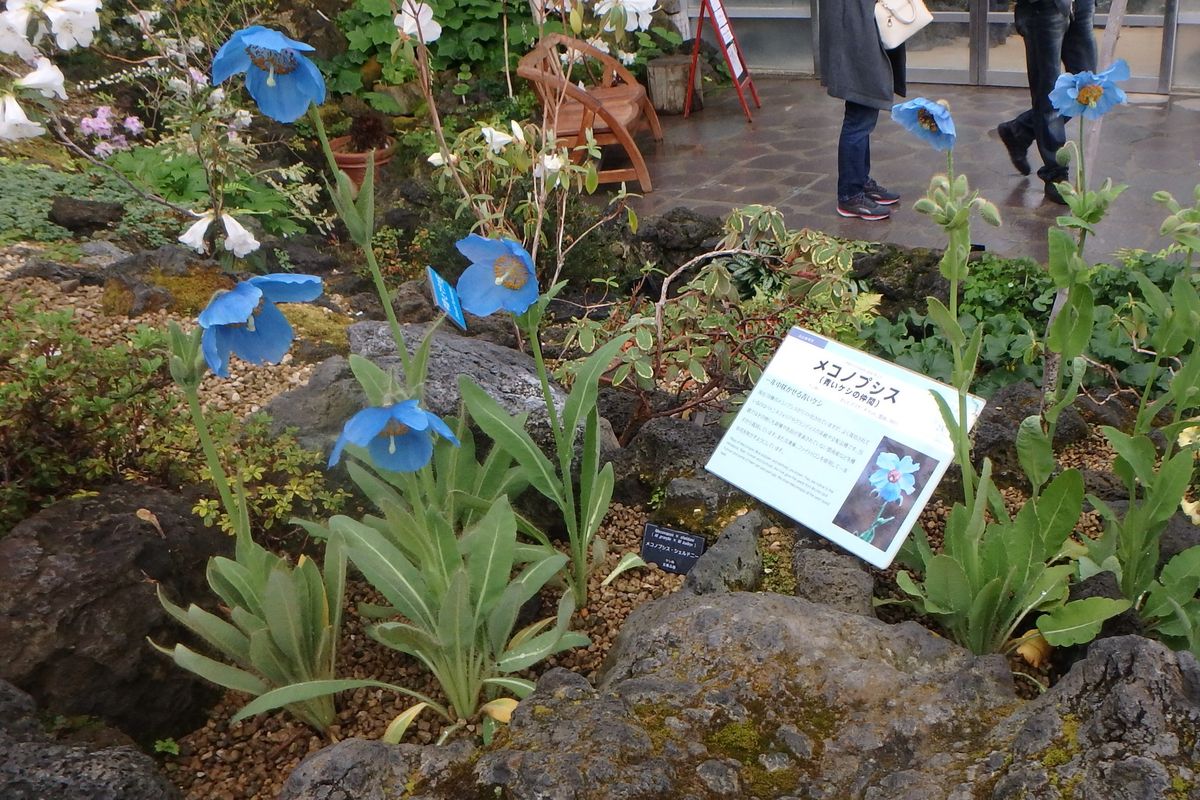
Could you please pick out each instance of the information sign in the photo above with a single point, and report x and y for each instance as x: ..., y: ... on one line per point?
x: 847, y: 444
x: 674, y: 551
x: 727, y: 43
x: 445, y: 297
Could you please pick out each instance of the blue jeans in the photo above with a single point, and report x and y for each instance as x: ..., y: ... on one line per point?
x: 854, y: 149
x: 1052, y: 41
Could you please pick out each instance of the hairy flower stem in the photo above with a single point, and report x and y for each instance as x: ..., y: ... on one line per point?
x: 219, y: 478
x: 385, y: 296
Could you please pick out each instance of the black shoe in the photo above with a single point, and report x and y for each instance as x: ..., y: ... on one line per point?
x: 879, y: 195
x: 863, y: 208
x: 1053, y: 195
x: 1016, y: 153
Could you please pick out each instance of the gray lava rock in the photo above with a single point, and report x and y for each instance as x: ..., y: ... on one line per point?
x: 1122, y: 724
x: 359, y: 769
x: 666, y: 448
x: 84, y: 216
x: 827, y: 574
x: 35, y: 767
x: 995, y: 432
x: 733, y: 562
x: 77, y: 601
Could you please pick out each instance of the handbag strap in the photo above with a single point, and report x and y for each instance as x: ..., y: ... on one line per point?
x: 897, y: 15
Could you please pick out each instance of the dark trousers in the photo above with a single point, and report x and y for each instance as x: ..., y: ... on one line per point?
x: 1052, y: 41
x: 854, y: 149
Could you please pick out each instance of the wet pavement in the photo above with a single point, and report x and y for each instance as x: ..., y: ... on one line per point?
x: 715, y: 160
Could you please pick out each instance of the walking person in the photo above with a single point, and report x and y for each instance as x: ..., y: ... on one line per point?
x: 856, y: 69
x: 1057, y: 34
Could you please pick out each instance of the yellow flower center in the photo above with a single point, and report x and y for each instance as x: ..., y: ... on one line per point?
x: 927, y: 121
x: 510, y: 272
x: 1090, y: 95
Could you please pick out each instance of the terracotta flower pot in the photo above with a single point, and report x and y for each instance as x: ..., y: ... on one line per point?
x: 355, y: 164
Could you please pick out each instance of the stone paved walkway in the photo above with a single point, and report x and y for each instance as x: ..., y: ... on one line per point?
x: 787, y: 157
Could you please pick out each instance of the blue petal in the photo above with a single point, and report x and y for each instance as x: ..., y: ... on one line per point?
x: 268, y: 342
x: 907, y: 483
x: 410, y: 414
x: 441, y: 427
x: 216, y: 351
x: 284, y: 287
x: 478, y: 291
x: 887, y: 461
x: 480, y: 249
x: 908, y: 465
x: 233, y: 306
x: 310, y: 80
x: 410, y: 452
x: 232, y: 58
x: 1119, y: 71
x: 270, y: 39
x: 360, y: 429
x: 283, y: 102
x: 520, y: 300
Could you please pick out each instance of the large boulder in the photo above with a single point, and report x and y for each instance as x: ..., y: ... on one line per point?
x: 1123, y: 724
x: 995, y: 433
x: 321, y: 407
x: 33, y: 766
x: 77, y: 603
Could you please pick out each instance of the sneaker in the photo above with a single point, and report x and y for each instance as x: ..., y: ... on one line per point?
x: 1053, y: 195
x: 879, y: 195
x: 863, y: 208
x: 1016, y: 154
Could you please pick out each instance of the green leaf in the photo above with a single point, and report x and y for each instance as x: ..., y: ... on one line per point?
x: 517, y: 686
x: 1138, y: 452
x: 983, y: 620
x: 221, y: 674
x: 1079, y: 621
x: 948, y: 324
x: 509, y: 433
x: 490, y: 558
x: 376, y: 383
x: 582, y: 397
x: 284, y: 616
x: 300, y: 692
x: 455, y: 630
x: 387, y: 569
x: 232, y: 643
x: 399, y: 726
x: 1058, y: 510
x: 628, y: 561
x: 946, y: 585
x: 1168, y: 487
x: 1034, y: 451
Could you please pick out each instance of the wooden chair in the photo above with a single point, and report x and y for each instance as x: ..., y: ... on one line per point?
x: 613, y: 108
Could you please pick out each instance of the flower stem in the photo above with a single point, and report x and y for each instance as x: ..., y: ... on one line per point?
x: 219, y: 478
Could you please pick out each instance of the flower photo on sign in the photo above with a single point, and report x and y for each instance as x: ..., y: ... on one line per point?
x: 884, y: 494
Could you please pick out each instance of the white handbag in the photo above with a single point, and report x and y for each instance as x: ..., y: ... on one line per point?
x: 898, y: 20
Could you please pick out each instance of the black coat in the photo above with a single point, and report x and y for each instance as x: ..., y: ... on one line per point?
x: 854, y: 65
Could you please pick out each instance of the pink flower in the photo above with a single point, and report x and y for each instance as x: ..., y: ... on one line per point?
x: 134, y: 126
x: 104, y: 112
x: 104, y: 150
x: 95, y: 126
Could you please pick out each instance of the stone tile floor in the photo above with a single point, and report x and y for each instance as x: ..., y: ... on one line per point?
x: 787, y: 157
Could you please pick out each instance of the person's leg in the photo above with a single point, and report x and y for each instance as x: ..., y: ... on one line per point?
x: 854, y: 149
x: 1079, y: 41
x: 1044, y: 28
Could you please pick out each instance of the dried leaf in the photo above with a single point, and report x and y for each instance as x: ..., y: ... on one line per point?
x: 1035, y: 650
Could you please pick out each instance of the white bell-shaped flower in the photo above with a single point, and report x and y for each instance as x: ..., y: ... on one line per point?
x: 497, y: 140
x: 73, y: 22
x: 416, y: 20
x: 193, y: 237
x: 45, y: 78
x: 13, y: 122
x: 237, y: 238
x: 14, y: 24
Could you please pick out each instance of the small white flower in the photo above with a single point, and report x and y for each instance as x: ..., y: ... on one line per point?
x: 217, y: 97
x: 241, y: 119
x: 1192, y: 509
x: 13, y: 25
x: 73, y: 22
x: 416, y: 20
x: 13, y: 122
x: 550, y: 164
x: 518, y: 131
x: 237, y: 238
x: 626, y: 58
x: 436, y: 159
x: 637, y: 12
x: 193, y: 237
x: 497, y: 140
x: 45, y: 78
x: 599, y: 44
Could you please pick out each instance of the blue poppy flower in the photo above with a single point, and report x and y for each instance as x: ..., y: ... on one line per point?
x: 396, y: 436
x: 1089, y: 93
x: 893, y: 476
x: 501, y: 276
x: 281, y: 80
x: 929, y: 120
x: 245, y: 321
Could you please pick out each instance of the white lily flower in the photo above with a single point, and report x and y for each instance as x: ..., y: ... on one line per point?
x: 13, y: 122
x: 436, y: 159
x: 497, y: 140
x: 550, y: 164
x: 45, y: 78
x: 193, y: 237
x: 73, y: 22
x: 637, y: 12
x: 518, y: 132
x: 13, y: 25
x: 416, y: 20
x: 237, y: 238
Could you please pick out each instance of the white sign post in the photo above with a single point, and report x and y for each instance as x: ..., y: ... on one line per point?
x: 847, y: 444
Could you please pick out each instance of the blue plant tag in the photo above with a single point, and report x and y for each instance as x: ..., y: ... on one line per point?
x: 446, y: 298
